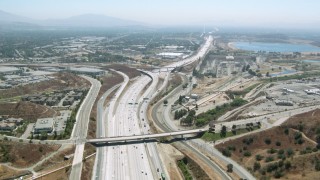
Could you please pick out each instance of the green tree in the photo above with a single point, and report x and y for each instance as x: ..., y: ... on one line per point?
x: 230, y: 168
x: 234, y: 129
x: 248, y: 67
x: 44, y: 135
x: 223, y: 132
x: 165, y: 102
x: 267, y: 74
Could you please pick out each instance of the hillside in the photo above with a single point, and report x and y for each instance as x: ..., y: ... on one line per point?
x: 286, y: 152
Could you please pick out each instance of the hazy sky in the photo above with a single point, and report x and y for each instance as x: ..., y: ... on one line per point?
x: 182, y: 12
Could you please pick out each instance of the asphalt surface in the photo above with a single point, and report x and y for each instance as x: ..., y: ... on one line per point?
x: 101, y: 131
x: 81, y: 127
x: 103, y: 115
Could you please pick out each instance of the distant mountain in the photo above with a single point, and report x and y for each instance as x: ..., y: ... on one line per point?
x: 12, y: 18
x: 91, y: 20
x: 86, y: 20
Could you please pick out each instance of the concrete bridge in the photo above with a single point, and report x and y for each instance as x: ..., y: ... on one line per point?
x: 144, y: 136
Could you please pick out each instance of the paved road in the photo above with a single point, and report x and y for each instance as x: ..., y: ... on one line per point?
x: 124, y: 119
x: 101, y: 131
x: 99, y: 170
x: 81, y: 127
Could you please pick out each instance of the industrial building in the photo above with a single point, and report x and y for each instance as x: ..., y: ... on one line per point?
x: 7, y: 126
x: 283, y: 102
x: 9, y: 70
x: 170, y: 55
x: 312, y: 91
x: 43, y: 125
x: 86, y: 71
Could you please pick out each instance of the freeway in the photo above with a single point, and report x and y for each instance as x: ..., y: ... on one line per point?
x: 81, y: 127
x: 144, y: 136
x: 125, y: 118
x: 99, y: 170
x: 101, y: 130
x: 127, y: 161
x: 152, y: 151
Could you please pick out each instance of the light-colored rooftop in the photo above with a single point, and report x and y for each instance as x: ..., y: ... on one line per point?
x: 5, y: 69
x: 44, y: 123
x: 85, y: 69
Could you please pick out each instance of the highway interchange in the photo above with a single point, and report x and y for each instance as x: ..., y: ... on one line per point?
x: 126, y: 116
x: 125, y: 119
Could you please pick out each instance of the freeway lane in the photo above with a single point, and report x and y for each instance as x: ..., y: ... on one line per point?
x: 81, y: 127
x: 99, y: 170
x: 101, y: 130
x: 134, y: 161
x: 128, y: 161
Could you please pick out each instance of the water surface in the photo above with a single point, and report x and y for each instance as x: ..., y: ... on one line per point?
x: 275, y: 47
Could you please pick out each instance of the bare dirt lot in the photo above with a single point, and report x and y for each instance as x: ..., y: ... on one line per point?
x: 24, y: 154
x: 287, y: 152
x: 131, y: 72
x: 61, y: 81
x: 107, y: 82
x: 87, y: 168
x: 26, y: 110
x: 57, y: 160
x: 8, y: 173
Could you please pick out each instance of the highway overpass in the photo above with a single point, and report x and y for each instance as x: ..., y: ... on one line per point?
x: 144, y: 137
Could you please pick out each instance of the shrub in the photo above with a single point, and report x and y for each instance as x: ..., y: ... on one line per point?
x: 231, y: 148
x: 281, y: 156
x: 259, y: 157
x: 290, y: 152
x: 272, y: 151
x: 226, y: 152
x: 272, y: 167
x: 281, y: 151
x: 247, y: 154
x: 256, y: 166
x: 269, y: 159
x: 278, y: 143
x: 317, y: 165
x: 267, y: 141
x: 287, y: 165
x: 278, y: 174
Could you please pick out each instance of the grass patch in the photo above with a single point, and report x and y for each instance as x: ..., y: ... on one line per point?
x: 210, y: 136
x: 204, y: 118
x: 234, y: 94
x: 182, y: 164
x: 295, y: 76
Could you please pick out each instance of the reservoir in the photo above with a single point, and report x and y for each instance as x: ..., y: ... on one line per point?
x: 284, y: 72
x: 275, y: 47
x: 311, y: 61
